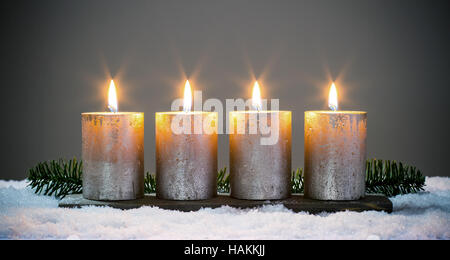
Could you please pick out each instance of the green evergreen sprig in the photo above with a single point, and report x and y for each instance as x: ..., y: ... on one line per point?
x: 297, y: 181
x: 223, y: 181
x: 149, y: 183
x: 392, y: 178
x: 61, y: 178
x: 58, y: 178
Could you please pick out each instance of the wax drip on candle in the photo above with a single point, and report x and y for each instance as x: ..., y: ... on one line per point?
x: 332, y: 98
x: 256, y: 97
x: 187, y: 104
x: 112, y: 98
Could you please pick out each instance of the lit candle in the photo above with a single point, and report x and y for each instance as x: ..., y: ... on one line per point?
x: 260, y: 171
x: 186, y: 161
x: 335, y: 152
x: 113, y: 153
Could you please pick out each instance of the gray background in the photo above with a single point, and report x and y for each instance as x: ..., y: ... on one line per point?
x: 390, y: 58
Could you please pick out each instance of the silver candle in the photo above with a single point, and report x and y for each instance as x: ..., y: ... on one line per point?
x: 335, y: 154
x: 258, y: 171
x: 113, y: 155
x: 186, y: 162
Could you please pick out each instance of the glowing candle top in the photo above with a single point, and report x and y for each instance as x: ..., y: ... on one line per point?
x: 113, y: 105
x: 112, y: 98
x: 256, y: 97
x: 333, y: 104
x: 187, y: 104
x: 332, y: 98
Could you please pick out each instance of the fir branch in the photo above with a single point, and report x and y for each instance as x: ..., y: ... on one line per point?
x: 58, y: 178
x: 391, y: 178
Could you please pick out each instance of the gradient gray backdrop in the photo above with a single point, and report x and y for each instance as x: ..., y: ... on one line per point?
x: 390, y: 58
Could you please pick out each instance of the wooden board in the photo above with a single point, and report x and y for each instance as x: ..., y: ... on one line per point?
x: 296, y: 203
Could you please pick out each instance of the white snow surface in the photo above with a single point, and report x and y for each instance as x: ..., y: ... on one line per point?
x: 25, y: 215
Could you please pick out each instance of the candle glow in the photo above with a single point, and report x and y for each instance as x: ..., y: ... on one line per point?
x: 256, y: 97
x: 187, y: 104
x: 332, y: 98
x: 112, y: 98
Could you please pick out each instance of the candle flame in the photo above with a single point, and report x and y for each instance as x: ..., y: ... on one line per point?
x: 112, y: 98
x: 187, y: 97
x: 256, y: 97
x: 332, y: 98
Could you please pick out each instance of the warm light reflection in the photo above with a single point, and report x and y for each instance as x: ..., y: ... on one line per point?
x: 256, y: 97
x: 112, y: 98
x: 332, y: 98
x: 187, y: 104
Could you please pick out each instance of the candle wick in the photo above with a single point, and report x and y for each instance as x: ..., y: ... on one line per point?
x: 257, y: 107
x: 112, y: 109
x: 333, y: 107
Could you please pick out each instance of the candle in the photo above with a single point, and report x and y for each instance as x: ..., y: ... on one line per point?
x: 335, y: 152
x: 186, y: 161
x: 260, y: 171
x: 113, y: 153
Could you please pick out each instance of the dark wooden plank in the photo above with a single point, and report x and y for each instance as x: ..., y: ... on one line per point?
x: 296, y: 203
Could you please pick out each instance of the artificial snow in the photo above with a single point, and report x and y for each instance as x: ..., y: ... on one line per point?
x: 25, y: 215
